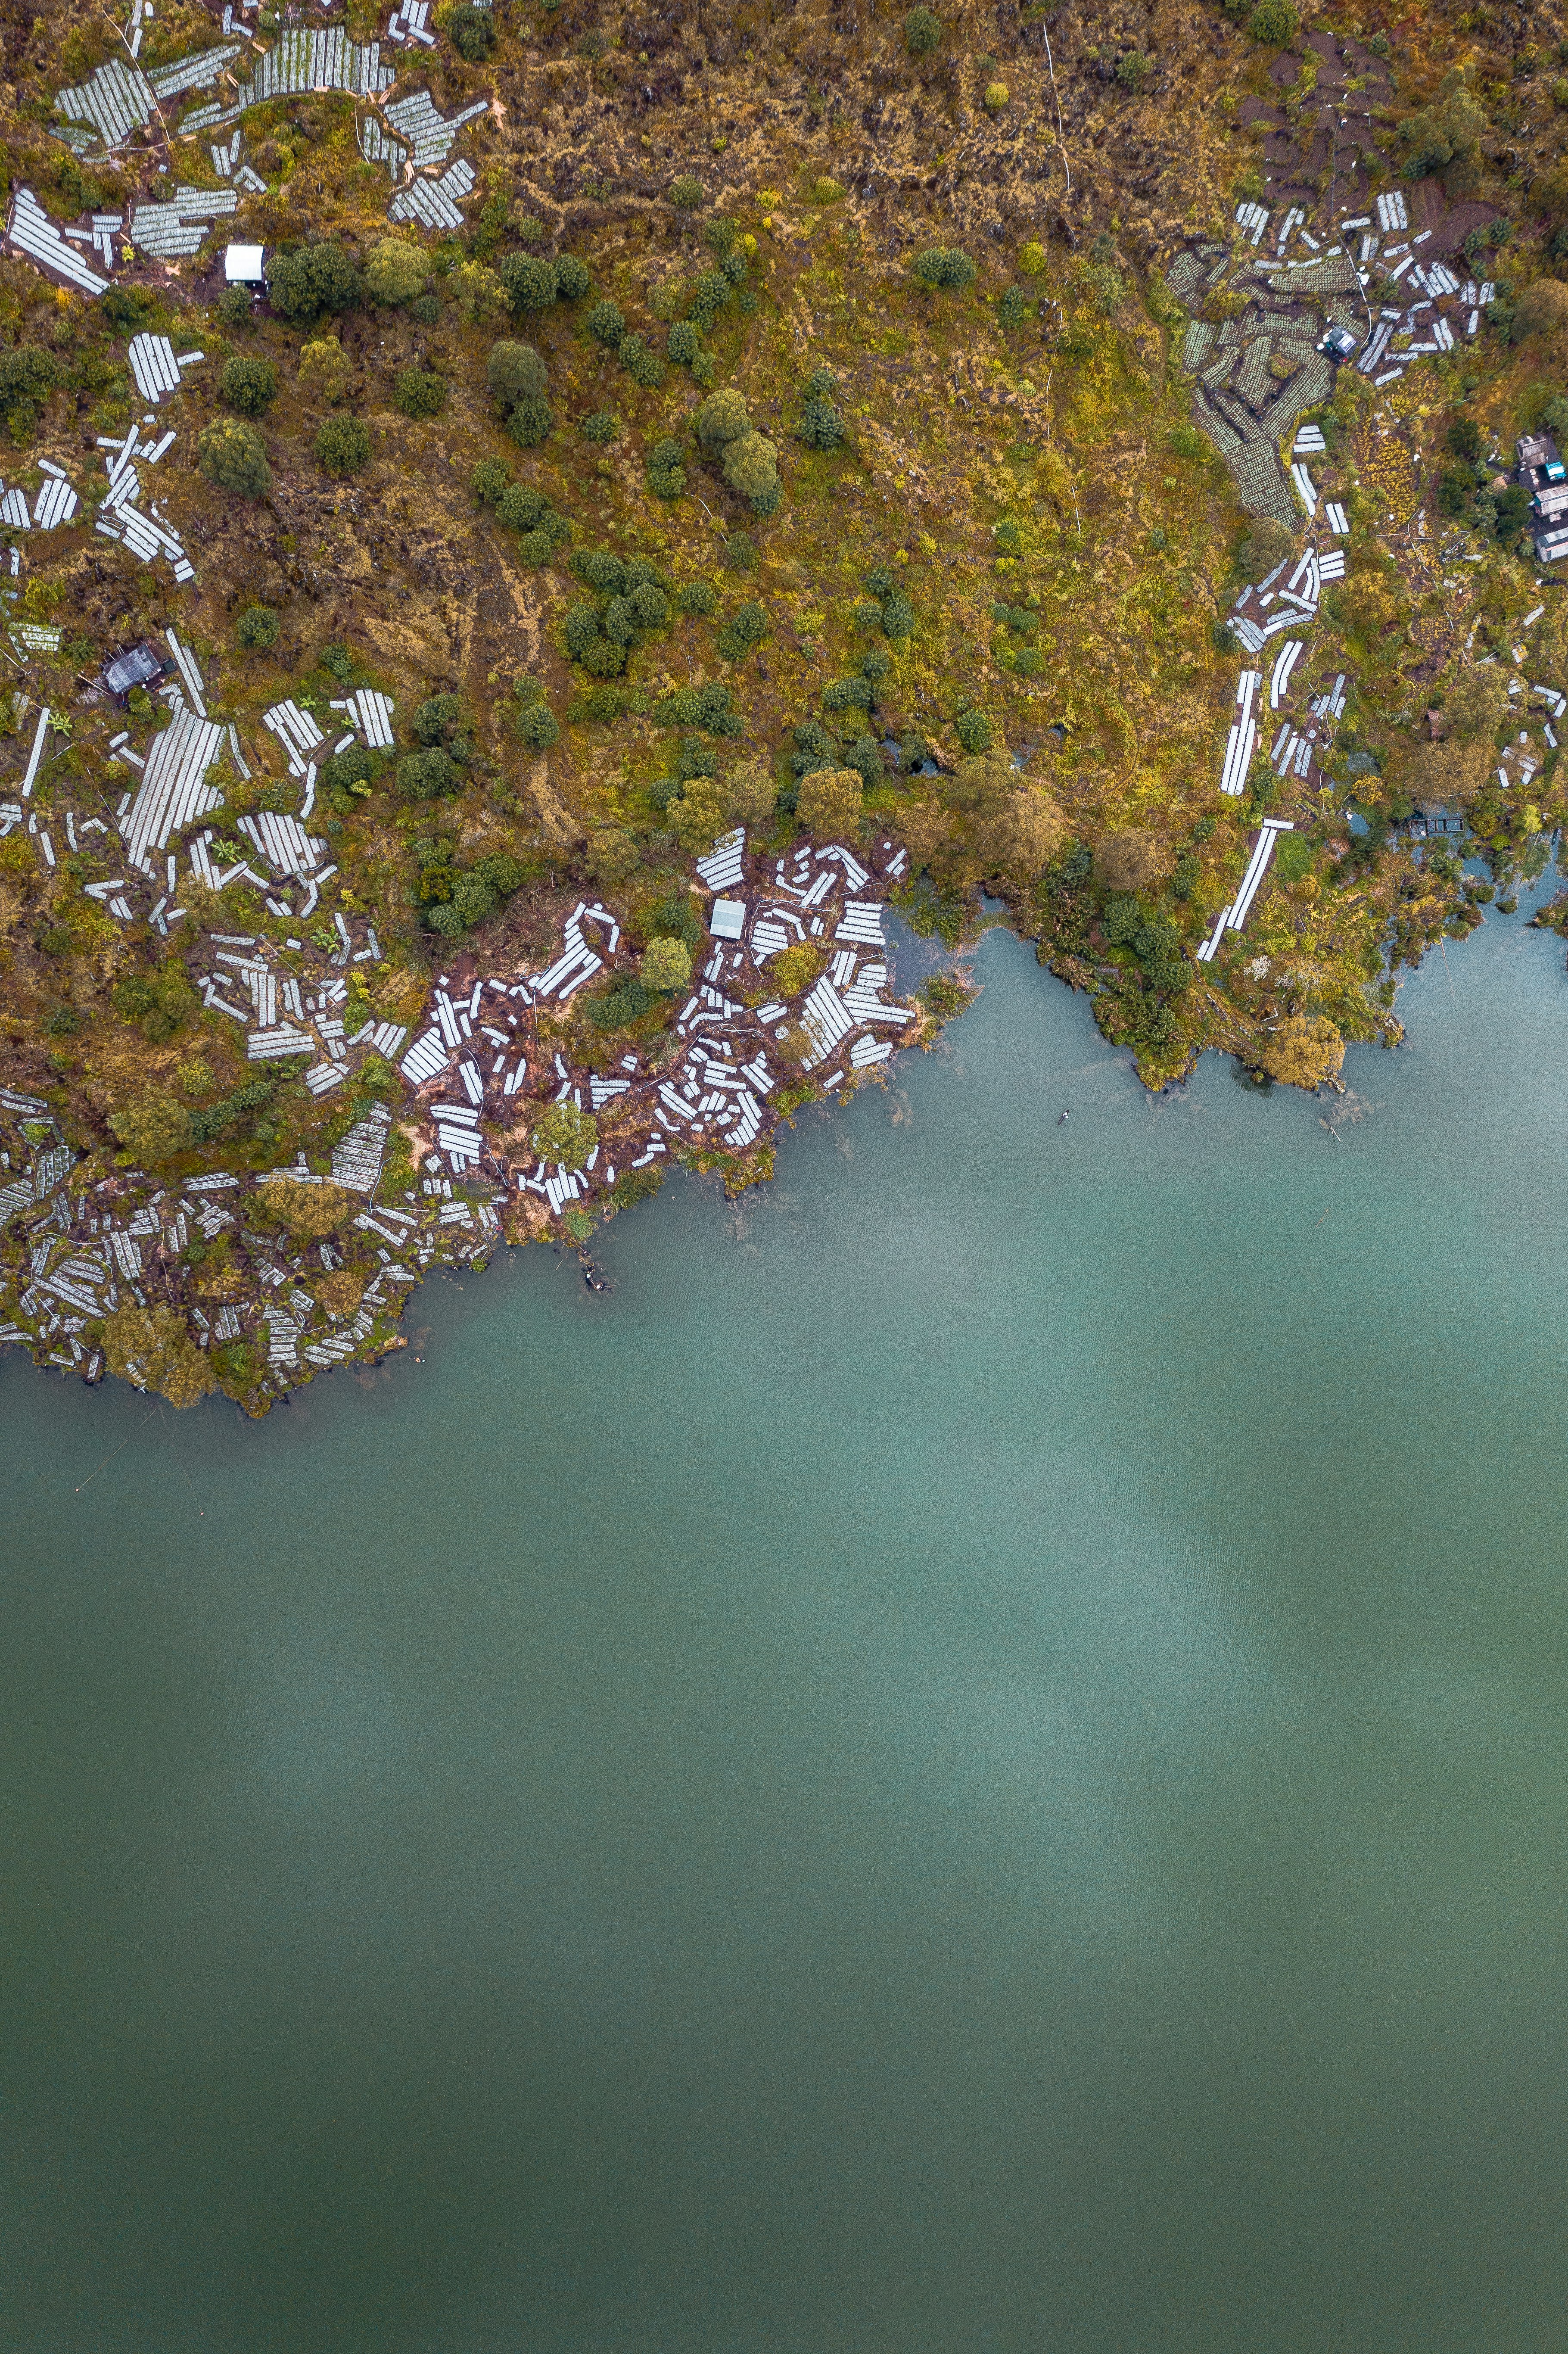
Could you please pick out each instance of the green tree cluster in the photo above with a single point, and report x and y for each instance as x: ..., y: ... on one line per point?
x: 821, y: 427
x: 532, y: 284
x: 750, y: 461
x: 313, y: 279
x: 631, y: 601
x: 518, y: 380
x: 666, y: 476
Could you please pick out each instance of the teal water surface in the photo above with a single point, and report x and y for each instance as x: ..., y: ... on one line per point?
x: 976, y: 1759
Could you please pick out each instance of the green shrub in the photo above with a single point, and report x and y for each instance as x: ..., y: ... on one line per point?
x: 607, y: 324
x: 489, y: 482
x: 1012, y: 311
x: 601, y: 425
x: 1273, y: 23
x: 599, y: 569
x: 624, y: 1002
x: 684, y: 343
x: 740, y: 552
x: 864, y: 755
x: 528, y: 283
x: 342, y: 445
x: 822, y: 427
x: 530, y: 422
x: 564, y: 1135
x: 721, y: 418
x: 1186, y: 442
x: 666, y: 475
x: 436, y: 718
x: 249, y: 385
x: 572, y: 280
x: 897, y: 616
x: 744, y: 630
x: 698, y: 598
x: 257, y: 629
x: 232, y: 455
x: 751, y: 469
x: 472, y: 32
x: 972, y: 729
x: 686, y: 192
x: 125, y: 308
x: 943, y: 266
x: 424, y: 310
x: 666, y: 966
x: 709, y: 295
x: 419, y: 392
x: 426, y: 776
x: 641, y: 363
x: 349, y: 771
x: 394, y: 271
x: 1134, y: 70
x: 922, y: 31
x: 520, y: 508
x: 235, y: 308
x: 515, y: 372
x: 314, y: 279
x: 537, y: 726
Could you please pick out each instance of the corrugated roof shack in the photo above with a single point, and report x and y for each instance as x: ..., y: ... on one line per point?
x: 1545, y: 477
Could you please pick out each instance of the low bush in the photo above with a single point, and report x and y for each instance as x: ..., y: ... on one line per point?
x: 698, y: 598
x: 828, y: 804
x: 641, y: 363
x: 601, y: 425
x: 922, y: 31
x: 472, y: 32
x: 235, y: 308
x: 973, y: 730
x: 257, y: 629
x: 742, y: 631
x: 325, y: 370
x: 528, y: 282
x: 429, y: 776
x: 342, y: 445
x: 250, y: 385
x: 419, y: 392
x: 666, y: 475
x: 822, y: 427
x: 564, y: 1135
x: 666, y: 966
x: 394, y: 271
x: 686, y: 192
x: 943, y: 266
x: 607, y: 324
x: 233, y: 455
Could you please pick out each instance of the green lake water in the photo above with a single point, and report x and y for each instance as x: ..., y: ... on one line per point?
x: 975, y: 1763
